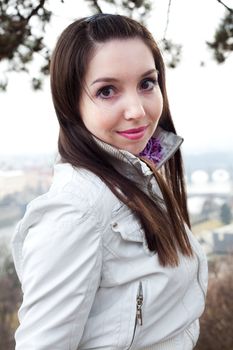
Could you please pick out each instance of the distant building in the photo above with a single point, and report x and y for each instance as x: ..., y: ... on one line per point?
x: 18, y: 180
x: 223, y: 239
x: 219, y: 241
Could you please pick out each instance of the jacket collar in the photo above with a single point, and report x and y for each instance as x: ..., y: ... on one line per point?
x: 169, y: 141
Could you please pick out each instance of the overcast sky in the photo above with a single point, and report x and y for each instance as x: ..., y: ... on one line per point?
x: 200, y: 96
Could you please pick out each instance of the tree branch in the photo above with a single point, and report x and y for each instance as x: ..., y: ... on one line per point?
x: 36, y: 9
x: 96, y: 5
x: 228, y: 8
x: 167, y: 23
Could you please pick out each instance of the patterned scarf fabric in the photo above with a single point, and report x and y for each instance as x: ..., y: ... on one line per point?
x: 153, y: 150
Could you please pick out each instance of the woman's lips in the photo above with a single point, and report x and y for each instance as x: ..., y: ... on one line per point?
x: 133, y: 134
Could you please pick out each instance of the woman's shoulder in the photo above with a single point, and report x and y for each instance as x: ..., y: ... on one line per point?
x: 74, y: 190
x: 77, y: 198
x: 78, y: 182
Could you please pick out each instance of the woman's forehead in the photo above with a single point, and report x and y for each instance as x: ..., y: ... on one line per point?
x: 120, y: 56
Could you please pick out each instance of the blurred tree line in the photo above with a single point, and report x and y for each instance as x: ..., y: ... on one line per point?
x: 217, y: 320
x: 225, y: 214
x: 23, y: 24
x: 10, y: 299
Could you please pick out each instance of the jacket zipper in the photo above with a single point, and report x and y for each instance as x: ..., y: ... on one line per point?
x: 139, y: 304
x: 138, y: 318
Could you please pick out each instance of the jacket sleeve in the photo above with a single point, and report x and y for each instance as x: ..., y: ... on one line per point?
x: 59, y: 268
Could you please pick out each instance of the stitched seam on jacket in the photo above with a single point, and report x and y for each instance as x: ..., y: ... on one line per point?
x: 89, y: 287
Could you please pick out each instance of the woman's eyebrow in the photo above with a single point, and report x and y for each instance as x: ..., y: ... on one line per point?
x: 150, y: 71
x: 106, y: 80
x: 110, y: 79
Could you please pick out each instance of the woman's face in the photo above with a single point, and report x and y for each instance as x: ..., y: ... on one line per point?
x: 121, y: 101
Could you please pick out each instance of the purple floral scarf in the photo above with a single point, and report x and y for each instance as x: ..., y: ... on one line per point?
x: 153, y: 150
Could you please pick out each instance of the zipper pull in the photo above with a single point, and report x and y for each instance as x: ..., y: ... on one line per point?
x: 139, y: 304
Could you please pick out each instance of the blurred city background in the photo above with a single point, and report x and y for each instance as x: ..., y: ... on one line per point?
x: 196, y: 39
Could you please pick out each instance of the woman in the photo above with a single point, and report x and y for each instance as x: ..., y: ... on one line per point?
x: 106, y: 258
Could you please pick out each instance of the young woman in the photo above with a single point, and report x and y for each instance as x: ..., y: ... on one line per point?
x: 106, y: 258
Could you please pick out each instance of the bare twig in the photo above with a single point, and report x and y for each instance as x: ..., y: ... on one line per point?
x: 167, y: 23
x: 36, y: 9
x: 96, y: 5
x: 228, y: 8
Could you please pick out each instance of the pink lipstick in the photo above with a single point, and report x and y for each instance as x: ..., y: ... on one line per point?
x: 133, y: 134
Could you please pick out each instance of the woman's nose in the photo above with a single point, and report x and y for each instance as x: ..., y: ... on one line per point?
x: 134, y: 108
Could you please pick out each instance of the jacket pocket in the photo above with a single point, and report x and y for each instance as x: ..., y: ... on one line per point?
x: 139, y: 313
x: 129, y: 228
x: 131, y: 233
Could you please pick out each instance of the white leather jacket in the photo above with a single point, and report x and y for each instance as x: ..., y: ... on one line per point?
x: 88, y: 278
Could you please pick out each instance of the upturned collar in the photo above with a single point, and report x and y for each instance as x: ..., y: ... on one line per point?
x: 169, y: 142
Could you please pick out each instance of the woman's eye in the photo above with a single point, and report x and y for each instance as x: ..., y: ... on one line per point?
x: 106, y: 92
x: 148, y: 84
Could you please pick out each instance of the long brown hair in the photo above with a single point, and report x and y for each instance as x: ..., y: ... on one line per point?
x: 163, y: 222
